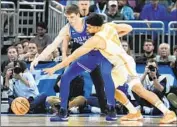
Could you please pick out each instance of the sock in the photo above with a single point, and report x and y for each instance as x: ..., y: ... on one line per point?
x: 161, y: 107
x: 130, y: 108
x: 147, y: 110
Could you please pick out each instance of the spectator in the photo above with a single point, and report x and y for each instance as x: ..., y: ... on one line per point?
x: 69, y: 2
x: 99, y: 7
x: 19, y: 47
x: 125, y: 10
x: 165, y: 3
x: 32, y: 51
x: 164, y: 54
x: 139, y: 5
x: 174, y: 64
x: 76, y: 97
x: 155, y: 11
x: 25, y: 44
x: 12, y: 55
x: 21, y: 55
x: 113, y: 12
x: 173, y: 12
x: 153, y: 81
x: 173, y: 6
x: 42, y: 39
x: 132, y: 3
x: 83, y: 7
x: 148, y: 48
x: 77, y: 102
x: 173, y: 15
x: 21, y: 83
x: 126, y: 47
x: 25, y: 54
x: 55, y: 55
x: 172, y: 97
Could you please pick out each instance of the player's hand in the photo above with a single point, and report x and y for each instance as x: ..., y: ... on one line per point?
x: 49, y: 71
x: 33, y: 64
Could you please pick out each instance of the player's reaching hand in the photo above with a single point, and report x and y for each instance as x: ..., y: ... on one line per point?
x: 49, y: 71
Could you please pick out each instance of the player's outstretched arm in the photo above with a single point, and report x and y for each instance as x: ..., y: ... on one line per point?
x: 65, y: 44
x: 50, y: 48
x: 89, y: 45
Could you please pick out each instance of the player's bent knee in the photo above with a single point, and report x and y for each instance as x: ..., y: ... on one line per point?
x: 135, y: 82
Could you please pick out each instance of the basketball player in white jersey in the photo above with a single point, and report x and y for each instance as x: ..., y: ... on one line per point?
x: 106, y: 41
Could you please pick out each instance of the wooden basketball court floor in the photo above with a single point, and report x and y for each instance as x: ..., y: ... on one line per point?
x: 76, y: 120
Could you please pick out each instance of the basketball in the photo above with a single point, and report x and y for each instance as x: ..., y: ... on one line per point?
x: 20, y: 106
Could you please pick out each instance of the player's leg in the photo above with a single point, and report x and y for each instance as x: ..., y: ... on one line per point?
x: 80, y: 65
x: 106, y: 68
x: 99, y: 87
x: 133, y: 113
x: 137, y: 87
x: 72, y: 71
x: 120, y: 76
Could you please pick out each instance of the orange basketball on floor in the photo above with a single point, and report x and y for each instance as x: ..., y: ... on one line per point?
x: 20, y: 106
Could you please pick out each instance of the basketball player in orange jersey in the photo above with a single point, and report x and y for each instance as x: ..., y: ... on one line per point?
x: 106, y: 41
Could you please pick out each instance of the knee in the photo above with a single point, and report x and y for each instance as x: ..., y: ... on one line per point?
x: 52, y: 100
x: 43, y: 96
x: 139, y: 90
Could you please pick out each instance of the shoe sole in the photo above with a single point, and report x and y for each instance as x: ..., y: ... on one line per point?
x: 173, y: 99
x: 135, y: 119
x: 60, y: 120
x: 111, y: 119
x: 170, y: 121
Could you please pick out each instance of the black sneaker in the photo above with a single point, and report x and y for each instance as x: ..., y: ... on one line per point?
x: 111, y: 115
x: 61, y: 116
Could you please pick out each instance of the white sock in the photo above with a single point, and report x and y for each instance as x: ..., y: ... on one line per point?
x: 147, y: 110
x: 130, y: 108
x: 162, y: 107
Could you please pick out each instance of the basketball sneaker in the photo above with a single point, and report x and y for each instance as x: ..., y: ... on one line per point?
x: 61, y: 116
x: 111, y: 115
x: 169, y: 117
x: 132, y: 117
